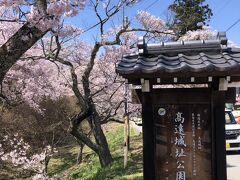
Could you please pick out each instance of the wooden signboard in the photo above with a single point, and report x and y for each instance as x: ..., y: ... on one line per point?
x: 183, y: 147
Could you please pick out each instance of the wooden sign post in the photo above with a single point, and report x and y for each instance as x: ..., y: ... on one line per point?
x: 184, y: 88
x: 185, y: 139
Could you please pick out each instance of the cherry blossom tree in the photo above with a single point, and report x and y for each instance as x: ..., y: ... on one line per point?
x: 96, y: 96
x: 88, y: 76
x: 76, y: 68
x: 36, y: 18
x: 100, y: 95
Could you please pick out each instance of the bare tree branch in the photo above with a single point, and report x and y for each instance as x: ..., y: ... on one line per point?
x: 12, y: 20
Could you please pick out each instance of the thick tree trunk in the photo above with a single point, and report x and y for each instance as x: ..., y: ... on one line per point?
x: 16, y: 46
x: 100, y: 146
x: 104, y: 154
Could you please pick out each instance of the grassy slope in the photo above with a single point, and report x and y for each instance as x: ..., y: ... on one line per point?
x: 64, y: 164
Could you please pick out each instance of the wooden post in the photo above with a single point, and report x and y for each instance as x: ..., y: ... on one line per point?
x: 128, y: 133
x: 126, y: 139
x: 218, y: 112
x: 148, y: 136
x: 126, y: 127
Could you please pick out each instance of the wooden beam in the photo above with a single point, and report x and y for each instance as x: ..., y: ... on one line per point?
x: 210, y: 79
x: 223, y: 84
x: 228, y: 78
x: 192, y: 79
x: 175, y: 79
x: 145, y: 85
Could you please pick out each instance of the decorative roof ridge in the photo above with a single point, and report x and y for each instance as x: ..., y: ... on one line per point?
x: 183, y: 46
x: 132, y: 54
x: 233, y: 49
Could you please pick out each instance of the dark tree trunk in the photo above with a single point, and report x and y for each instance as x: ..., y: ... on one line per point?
x: 47, y: 159
x: 16, y: 46
x: 104, y: 154
x: 80, y: 153
x: 100, y: 146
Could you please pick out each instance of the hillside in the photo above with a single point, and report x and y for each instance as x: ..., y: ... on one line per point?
x: 63, y: 165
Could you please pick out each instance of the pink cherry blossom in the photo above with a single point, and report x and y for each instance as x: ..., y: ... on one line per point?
x: 200, y: 34
x: 150, y: 21
x: 20, y: 156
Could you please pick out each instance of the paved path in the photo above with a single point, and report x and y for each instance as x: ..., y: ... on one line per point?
x: 233, y: 166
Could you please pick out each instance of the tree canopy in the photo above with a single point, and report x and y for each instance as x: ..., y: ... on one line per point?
x: 189, y: 15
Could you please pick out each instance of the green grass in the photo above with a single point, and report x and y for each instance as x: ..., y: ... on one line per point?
x: 66, y: 159
x: 90, y: 169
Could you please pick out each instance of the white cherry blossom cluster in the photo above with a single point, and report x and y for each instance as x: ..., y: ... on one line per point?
x: 43, y: 19
x: 150, y: 22
x: 35, y: 80
x: 19, y: 155
x: 104, y: 76
x: 200, y: 34
x: 127, y: 38
x: 157, y: 27
x: 68, y: 31
x: 12, y: 3
x: 110, y: 34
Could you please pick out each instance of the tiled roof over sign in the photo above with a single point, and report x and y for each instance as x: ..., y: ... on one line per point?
x: 182, y: 59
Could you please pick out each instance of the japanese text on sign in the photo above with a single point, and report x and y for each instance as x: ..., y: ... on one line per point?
x: 180, y: 144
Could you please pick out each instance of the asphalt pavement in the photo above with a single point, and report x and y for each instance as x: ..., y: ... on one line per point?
x: 233, y: 166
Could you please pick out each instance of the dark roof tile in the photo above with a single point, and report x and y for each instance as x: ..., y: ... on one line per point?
x: 191, y: 58
x: 163, y: 65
